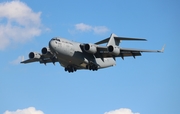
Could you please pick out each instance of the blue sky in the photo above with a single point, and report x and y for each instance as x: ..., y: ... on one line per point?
x: 149, y: 84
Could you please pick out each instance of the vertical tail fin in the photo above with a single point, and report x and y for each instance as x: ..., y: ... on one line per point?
x: 112, y: 41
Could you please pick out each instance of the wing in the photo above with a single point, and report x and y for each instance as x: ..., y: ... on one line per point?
x: 30, y: 60
x: 42, y: 58
x: 125, y: 52
x: 102, y: 52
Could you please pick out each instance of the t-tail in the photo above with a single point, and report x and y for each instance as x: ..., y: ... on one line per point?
x: 114, y: 40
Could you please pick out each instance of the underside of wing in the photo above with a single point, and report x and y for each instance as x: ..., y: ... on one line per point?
x: 102, y: 52
x: 137, y: 50
x: 122, y: 54
x: 41, y: 58
x: 30, y: 60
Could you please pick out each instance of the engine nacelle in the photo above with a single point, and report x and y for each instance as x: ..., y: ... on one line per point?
x: 90, y: 48
x: 45, y: 50
x: 113, y: 50
x: 33, y: 55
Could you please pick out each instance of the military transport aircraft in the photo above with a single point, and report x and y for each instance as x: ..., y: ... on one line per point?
x: 75, y: 56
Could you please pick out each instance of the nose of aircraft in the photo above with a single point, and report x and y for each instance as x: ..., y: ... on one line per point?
x: 51, y: 44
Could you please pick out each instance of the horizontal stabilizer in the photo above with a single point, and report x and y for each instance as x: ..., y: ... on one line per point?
x: 120, y: 38
x: 125, y: 38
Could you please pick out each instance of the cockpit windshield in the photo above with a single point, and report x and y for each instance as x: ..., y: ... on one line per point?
x: 56, y: 39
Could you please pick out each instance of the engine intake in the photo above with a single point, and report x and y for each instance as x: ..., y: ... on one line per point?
x: 113, y: 50
x: 87, y: 47
x: 90, y: 48
x: 45, y: 50
x: 33, y: 55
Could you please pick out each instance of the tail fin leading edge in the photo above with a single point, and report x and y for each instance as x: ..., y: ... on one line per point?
x: 113, y: 41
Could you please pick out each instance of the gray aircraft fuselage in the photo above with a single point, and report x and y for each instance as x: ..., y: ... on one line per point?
x: 70, y: 53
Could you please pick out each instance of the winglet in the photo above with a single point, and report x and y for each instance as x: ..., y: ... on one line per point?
x: 22, y: 58
x: 162, y: 50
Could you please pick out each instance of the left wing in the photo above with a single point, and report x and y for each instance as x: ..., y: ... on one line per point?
x: 124, y: 52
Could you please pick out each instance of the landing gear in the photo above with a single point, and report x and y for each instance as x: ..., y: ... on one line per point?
x: 92, y: 67
x: 70, y: 69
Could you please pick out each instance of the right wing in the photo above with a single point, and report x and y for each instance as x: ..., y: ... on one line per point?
x: 42, y: 58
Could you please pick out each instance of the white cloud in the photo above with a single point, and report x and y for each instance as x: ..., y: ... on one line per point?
x: 100, y: 29
x: 121, y: 111
x: 83, y: 27
x: 18, y: 23
x: 87, y: 28
x: 30, y: 110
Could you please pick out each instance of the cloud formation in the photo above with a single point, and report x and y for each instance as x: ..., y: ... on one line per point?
x: 30, y: 110
x: 121, y: 111
x: 88, y: 28
x: 18, y: 23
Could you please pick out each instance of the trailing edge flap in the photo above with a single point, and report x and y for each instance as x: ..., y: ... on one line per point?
x: 118, y: 39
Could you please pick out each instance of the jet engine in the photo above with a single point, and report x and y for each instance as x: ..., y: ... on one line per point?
x: 45, y: 50
x: 90, y: 48
x: 114, y: 50
x: 33, y: 55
